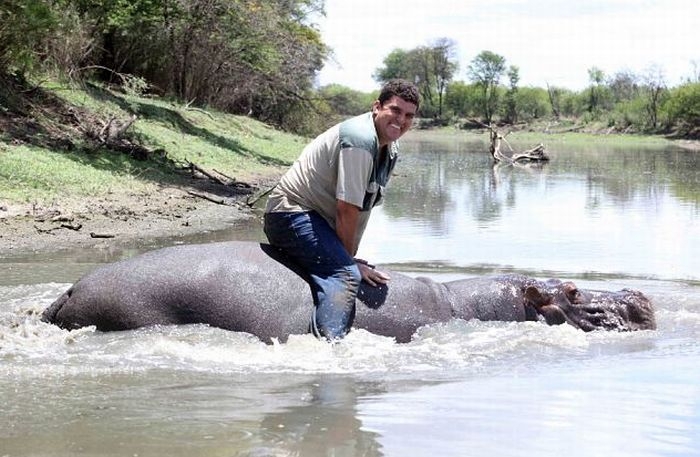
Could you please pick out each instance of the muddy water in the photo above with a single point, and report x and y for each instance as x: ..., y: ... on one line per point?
x: 606, y: 218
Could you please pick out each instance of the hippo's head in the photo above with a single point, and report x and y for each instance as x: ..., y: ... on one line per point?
x: 562, y: 302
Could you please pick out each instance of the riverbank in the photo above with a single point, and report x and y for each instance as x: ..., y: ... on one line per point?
x: 109, y: 221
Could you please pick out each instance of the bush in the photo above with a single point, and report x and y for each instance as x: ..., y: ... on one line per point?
x: 682, y: 108
x: 630, y: 114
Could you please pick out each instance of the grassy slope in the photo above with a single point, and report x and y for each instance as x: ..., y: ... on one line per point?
x: 43, y: 171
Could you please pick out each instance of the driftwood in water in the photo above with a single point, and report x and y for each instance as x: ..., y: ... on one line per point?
x: 535, y: 154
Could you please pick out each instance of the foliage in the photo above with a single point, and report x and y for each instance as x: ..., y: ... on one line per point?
x: 462, y: 100
x: 655, y: 89
x: 431, y: 67
x: 511, y: 106
x: 242, y: 56
x: 486, y: 71
x: 23, y: 24
x: 532, y: 104
x: 624, y: 86
x: 346, y: 101
x: 683, y: 108
x: 599, y: 96
x: 629, y: 114
x: 397, y: 64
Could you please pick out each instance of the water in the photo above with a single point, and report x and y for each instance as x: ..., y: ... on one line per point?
x: 606, y: 218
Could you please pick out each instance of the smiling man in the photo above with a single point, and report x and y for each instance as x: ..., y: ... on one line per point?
x: 320, y: 208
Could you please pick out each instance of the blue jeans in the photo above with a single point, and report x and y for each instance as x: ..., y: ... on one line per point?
x: 335, y: 277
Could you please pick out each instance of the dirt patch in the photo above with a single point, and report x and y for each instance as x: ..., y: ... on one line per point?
x: 110, y: 220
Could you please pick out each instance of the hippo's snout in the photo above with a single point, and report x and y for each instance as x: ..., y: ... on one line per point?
x: 626, y: 310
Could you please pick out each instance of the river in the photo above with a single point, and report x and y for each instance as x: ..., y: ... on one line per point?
x: 605, y: 217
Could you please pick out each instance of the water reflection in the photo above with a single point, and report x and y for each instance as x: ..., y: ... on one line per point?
x: 326, y: 424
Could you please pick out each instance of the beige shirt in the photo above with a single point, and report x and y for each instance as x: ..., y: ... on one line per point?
x: 340, y: 164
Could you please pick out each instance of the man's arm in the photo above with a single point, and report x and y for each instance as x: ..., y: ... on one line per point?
x: 346, y: 219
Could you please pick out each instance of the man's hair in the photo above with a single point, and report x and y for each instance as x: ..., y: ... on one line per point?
x: 401, y: 88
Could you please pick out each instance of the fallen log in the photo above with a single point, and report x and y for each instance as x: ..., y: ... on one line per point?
x: 535, y: 154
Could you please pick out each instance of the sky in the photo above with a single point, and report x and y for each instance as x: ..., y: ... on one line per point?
x: 552, y: 42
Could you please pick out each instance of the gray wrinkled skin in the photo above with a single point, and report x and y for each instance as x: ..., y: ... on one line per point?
x: 238, y: 286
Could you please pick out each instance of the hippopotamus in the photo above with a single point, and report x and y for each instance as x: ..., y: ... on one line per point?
x: 251, y: 287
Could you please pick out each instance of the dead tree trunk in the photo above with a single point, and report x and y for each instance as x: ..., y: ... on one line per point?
x: 535, y: 154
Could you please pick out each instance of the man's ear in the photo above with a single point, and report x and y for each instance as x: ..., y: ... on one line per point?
x: 375, y: 106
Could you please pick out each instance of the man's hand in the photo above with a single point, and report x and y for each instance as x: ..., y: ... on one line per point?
x: 371, y: 275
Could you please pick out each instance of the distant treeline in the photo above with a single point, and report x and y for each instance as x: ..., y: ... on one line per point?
x: 261, y: 58
x: 623, y: 102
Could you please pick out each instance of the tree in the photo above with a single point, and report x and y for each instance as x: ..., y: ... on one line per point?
x: 533, y: 103
x: 431, y: 67
x: 683, y: 108
x: 512, y: 94
x: 655, y: 87
x: 624, y: 86
x: 23, y: 24
x: 396, y: 65
x: 486, y: 71
x: 555, y: 94
x: 345, y: 101
x: 443, y: 54
x: 596, y: 76
x: 462, y: 99
x: 241, y: 56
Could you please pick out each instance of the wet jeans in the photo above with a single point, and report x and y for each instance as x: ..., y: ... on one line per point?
x: 335, y: 278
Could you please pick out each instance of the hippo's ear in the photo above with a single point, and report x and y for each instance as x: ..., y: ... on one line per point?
x: 536, y: 298
x: 572, y: 292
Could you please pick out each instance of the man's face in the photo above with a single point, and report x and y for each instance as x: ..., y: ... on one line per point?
x: 392, y: 119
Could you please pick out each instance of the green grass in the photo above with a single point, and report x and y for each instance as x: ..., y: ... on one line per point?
x: 33, y: 174
x: 237, y: 146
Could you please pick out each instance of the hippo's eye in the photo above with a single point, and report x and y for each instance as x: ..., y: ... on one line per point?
x: 572, y: 293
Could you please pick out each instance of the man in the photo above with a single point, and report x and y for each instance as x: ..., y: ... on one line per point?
x: 320, y: 208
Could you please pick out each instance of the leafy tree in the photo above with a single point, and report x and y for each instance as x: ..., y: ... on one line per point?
x: 655, y: 88
x: 554, y: 95
x: 462, y: 100
x: 596, y: 76
x: 624, y: 86
x: 431, y: 67
x: 242, y: 56
x: 396, y: 65
x: 486, y: 71
x: 23, y: 24
x: 630, y: 114
x: 512, y: 94
x: 572, y: 104
x: 443, y: 55
x: 345, y: 101
x: 683, y: 108
x: 533, y: 103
